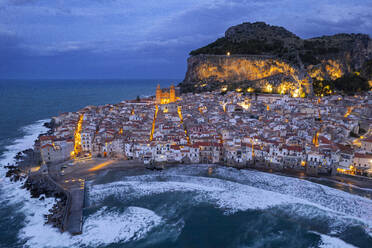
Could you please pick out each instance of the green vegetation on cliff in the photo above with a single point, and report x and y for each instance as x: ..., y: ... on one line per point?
x: 367, y: 69
x: 348, y: 84
x: 254, y: 47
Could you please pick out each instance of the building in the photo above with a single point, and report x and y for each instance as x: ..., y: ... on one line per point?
x: 164, y: 96
x: 366, y: 144
x: 57, y: 151
x: 362, y: 163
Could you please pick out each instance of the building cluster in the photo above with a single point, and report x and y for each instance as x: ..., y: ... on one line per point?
x: 329, y: 134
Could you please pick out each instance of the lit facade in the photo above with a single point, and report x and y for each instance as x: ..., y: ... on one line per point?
x: 165, y: 97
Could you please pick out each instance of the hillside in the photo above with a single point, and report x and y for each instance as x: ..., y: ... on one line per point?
x: 265, y: 58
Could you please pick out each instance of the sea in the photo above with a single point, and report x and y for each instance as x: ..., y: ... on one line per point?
x: 183, y: 206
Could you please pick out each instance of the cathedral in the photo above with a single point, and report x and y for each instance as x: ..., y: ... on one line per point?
x: 165, y: 97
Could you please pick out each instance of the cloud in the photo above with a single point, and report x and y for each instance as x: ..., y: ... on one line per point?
x: 135, y: 34
x: 17, y: 2
x: 10, y: 45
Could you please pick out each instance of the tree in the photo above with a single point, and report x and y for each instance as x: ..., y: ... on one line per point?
x: 138, y: 99
x: 323, y: 88
x: 351, y: 83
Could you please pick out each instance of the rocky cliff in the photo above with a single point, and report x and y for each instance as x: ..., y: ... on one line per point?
x: 260, y: 57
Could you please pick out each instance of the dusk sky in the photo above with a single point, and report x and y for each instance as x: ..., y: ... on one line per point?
x: 146, y: 39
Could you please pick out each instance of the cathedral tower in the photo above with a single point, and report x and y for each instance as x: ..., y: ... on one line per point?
x: 158, y: 94
x: 172, y: 94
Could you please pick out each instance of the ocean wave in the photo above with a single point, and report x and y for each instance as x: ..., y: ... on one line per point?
x: 27, y: 141
x: 230, y: 196
x: 307, y: 192
x: 11, y: 194
x: 332, y: 242
x: 104, y: 227
x: 31, y: 132
x: 305, y: 199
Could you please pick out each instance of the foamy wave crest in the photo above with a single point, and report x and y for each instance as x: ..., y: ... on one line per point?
x: 101, y: 228
x: 306, y: 192
x: 308, y: 200
x: 105, y: 227
x: 11, y: 193
x: 227, y: 195
x: 315, y: 194
x: 27, y: 141
x: 332, y: 242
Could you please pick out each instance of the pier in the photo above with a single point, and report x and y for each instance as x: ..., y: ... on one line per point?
x: 72, y: 183
x: 74, y: 218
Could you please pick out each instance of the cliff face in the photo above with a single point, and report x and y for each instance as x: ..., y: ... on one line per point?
x: 208, y: 72
x: 268, y: 58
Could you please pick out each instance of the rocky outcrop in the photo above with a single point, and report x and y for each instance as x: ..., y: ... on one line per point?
x: 41, y: 186
x: 265, y: 73
x: 265, y: 33
x: 259, y: 56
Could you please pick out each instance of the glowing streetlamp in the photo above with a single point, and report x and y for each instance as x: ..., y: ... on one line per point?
x: 250, y: 90
x: 269, y: 88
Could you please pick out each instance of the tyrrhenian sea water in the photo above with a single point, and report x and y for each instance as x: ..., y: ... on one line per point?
x: 179, y: 207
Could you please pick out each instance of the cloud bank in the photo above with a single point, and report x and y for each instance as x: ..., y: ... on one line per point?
x: 146, y: 39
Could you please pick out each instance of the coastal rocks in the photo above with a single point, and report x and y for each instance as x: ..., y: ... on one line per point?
x: 14, y: 173
x: 51, y: 126
x: 57, y: 213
x: 23, y: 162
x: 41, y: 186
x: 28, y: 158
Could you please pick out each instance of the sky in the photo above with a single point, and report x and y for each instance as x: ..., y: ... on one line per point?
x: 99, y: 39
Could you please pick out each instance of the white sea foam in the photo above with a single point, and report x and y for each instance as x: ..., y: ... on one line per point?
x: 316, y: 194
x: 227, y: 195
x: 332, y: 242
x: 104, y: 227
x: 10, y: 191
x: 31, y: 133
x: 298, y: 196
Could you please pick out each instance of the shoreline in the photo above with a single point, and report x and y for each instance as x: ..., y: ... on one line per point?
x: 41, y: 186
x: 362, y: 184
x: 44, y: 186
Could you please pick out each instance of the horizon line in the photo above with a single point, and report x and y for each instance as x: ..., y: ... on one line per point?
x: 34, y: 79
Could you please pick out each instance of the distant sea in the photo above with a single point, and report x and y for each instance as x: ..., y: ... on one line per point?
x: 185, y: 206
